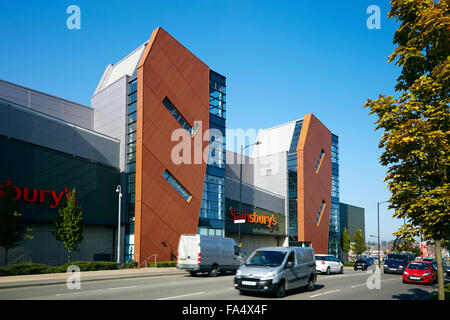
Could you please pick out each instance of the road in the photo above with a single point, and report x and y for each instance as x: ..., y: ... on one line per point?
x: 352, y: 285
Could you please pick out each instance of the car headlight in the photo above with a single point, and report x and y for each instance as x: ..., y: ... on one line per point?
x: 426, y: 274
x: 405, y: 272
x: 401, y: 267
x: 238, y: 272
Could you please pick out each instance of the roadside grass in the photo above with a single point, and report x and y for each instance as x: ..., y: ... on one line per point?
x: 447, y: 293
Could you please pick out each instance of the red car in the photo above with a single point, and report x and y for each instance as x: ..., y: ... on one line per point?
x: 420, y: 272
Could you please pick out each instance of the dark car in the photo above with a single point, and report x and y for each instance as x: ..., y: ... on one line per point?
x: 362, y: 264
x: 396, y: 262
x: 444, y: 265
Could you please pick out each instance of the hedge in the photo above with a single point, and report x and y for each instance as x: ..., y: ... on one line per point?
x: 38, y: 268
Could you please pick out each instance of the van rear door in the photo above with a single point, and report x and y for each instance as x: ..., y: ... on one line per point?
x: 189, y: 249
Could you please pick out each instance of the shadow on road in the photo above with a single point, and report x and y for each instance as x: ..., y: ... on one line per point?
x: 413, y: 294
x: 288, y: 293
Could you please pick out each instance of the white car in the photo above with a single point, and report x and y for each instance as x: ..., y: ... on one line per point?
x: 326, y: 263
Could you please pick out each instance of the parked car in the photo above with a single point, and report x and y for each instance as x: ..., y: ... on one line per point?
x: 445, y: 267
x: 419, y: 272
x: 214, y: 255
x: 276, y: 270
x: 362, y: 264
x: 396, y: 262
x: 328, y: 264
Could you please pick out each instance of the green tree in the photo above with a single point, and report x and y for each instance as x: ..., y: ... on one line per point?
x: 69, y: 224
x: 359, y: 244
x: 12, y: 227
x: 345, y: 243
x: 416, y: 124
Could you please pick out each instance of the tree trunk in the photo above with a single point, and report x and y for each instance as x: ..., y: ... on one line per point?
x: 440, y: 275
x: 6, y: 257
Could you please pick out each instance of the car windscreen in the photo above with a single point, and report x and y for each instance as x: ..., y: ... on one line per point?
x: 419, y: 266
x: 266, y: 258
x: 396, y: 257
x: 320, y: 258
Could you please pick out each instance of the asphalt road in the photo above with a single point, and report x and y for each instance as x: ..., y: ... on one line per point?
x: 352, y: 285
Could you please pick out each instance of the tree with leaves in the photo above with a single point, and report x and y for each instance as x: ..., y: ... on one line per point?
x: 359, y: 243
x: 345, y: 243
x: 69, y: 224
x: 12, y: 228
x: 416, y: 124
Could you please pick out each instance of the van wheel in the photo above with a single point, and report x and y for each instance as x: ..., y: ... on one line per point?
x: 280, y: 290
x: 311, y: 284
x: 214, y: 271
x: 193, y: 273
x: 342, y: 270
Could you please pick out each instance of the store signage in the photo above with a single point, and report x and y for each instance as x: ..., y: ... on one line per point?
x: 36, y: 195
x: 255, y: 218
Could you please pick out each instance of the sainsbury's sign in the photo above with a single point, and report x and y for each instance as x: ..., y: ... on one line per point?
x: 51, y: 197
x: 267, y: 221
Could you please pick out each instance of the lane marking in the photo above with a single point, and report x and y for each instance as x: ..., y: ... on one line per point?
x: 183, y: 295
x: 96, y: 290
x: 320, y: 294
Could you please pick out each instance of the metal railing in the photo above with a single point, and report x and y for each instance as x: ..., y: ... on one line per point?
x: 145, y: 261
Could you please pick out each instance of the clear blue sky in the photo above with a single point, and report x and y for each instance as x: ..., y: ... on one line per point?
x: 282, y: 59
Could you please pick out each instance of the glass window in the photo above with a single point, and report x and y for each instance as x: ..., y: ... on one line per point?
x: 319, y: 214
x: 169, y: 105
x: 132, y: 107
x: 132, y: 97
x: 176, y: 185
x: 132, y: 117
x: 132, y: 127
x: 133, y: 86
x: 319, y: 161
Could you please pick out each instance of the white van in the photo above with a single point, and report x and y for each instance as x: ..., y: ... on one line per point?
x: 276, y: 270
x: 214, y: 255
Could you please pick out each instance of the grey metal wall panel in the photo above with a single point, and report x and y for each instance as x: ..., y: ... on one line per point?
x: 254, y: 196
x: 29, y: 126
x: 351, y: 217
x: 110, y: 110
x: 50, y: 105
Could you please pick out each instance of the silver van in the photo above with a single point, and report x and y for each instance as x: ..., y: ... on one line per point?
x: 277, y: 269
x: 213, y: 255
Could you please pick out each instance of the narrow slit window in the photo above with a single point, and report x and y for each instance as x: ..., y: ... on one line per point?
x: 320, y: 213
x: 177, y: 185
x: 177, y: 115
x: 319, y: 161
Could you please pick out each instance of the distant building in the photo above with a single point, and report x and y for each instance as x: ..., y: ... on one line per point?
x: 351, y: 217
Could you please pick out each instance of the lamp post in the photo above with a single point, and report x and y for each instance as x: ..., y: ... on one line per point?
x: 240, y: 177
x: 378, y: 216
x: 119, y: 190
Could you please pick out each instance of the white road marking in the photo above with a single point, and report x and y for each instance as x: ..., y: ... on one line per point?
x: 183, y: 295
x: 89, y: 291
x: 320, y: 294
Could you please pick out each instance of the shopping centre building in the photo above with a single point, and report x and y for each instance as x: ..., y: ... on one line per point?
x: 157, y: 127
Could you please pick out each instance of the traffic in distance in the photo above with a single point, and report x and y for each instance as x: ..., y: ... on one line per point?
x: 275, y: 270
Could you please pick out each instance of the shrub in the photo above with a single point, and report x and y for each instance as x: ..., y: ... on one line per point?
x: 24, y: 268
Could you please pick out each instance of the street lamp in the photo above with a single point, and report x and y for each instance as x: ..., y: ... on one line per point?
x: 240, y: 175
x: 378, y: 215
x: 119, y: 190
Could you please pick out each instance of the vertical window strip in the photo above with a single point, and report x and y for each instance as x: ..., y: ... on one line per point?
x: 181, y: 120
x: 319, y: 161
x: 320, y: 213
x: 177, y: 185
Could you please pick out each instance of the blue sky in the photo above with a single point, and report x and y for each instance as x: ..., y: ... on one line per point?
x: 282, y: 59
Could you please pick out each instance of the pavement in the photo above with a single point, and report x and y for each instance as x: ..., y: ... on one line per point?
x: 58, y: 278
